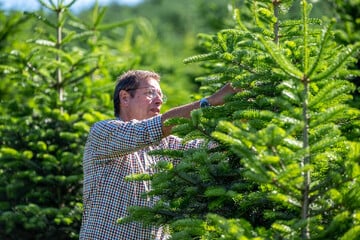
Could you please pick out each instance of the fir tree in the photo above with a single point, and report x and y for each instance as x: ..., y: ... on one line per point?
x: 282, y: 167
x: 45, y: 120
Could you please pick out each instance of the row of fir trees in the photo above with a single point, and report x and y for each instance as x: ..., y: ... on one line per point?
x: 57, y: 75
x: 286, y: 161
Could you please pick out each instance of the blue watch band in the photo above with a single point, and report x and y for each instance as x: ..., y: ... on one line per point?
x: 204, y: 103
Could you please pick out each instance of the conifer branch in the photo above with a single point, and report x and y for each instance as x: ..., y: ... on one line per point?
x: 201, y: 57
x: 35, y: 70
x: 346, y: 53
x: 41, y: 18
x: 82, y: 76
x: 324, y: 40
x: 238, y: 20
x: 186, y: 178
x: 281, y: 60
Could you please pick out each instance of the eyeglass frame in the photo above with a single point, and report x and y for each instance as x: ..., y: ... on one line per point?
x: 152, y: 94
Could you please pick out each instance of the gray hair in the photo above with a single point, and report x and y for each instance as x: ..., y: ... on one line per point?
x: 130, y: 81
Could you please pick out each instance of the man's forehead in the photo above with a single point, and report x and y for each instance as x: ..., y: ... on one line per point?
x: 150, y: 82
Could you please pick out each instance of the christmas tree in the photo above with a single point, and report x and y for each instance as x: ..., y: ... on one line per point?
x: 283, y: 165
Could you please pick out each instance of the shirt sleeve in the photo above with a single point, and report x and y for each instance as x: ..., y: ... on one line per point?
x: 116, y: 137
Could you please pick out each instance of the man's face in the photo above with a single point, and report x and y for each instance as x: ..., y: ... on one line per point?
x: 146, y: 102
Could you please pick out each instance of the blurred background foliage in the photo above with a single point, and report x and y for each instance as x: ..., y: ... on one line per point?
x: 55, y: 86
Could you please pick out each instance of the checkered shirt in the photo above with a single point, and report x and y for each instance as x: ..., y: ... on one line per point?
x: 114, y: 150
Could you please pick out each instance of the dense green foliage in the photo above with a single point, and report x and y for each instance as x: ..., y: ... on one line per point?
x: 284, y: 167
x: 57, y: 74
x: 44, y: 123
x: 348, y: 32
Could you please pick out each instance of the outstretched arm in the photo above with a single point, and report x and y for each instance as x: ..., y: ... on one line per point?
x: 184, y: 111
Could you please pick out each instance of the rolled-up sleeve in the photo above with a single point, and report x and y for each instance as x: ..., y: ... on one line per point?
x: 116, y: 137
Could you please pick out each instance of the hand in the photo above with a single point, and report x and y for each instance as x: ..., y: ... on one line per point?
x: 218, y: 97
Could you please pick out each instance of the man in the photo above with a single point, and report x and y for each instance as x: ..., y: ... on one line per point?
x: 117, y: 148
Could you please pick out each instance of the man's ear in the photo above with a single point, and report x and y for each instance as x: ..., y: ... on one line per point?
x: 124, y: 97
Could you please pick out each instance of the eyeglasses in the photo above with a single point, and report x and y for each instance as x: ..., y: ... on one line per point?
x: 151, y: 93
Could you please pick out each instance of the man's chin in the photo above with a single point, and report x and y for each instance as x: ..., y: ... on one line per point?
x: 154, y: 113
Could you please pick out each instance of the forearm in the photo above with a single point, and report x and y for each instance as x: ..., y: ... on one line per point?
x: 185, y: 110
x: 182, y: 111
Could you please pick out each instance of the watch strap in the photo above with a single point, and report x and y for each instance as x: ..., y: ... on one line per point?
x: 204, y: 103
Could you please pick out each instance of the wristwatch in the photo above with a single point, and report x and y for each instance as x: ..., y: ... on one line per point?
x: 204, y: 103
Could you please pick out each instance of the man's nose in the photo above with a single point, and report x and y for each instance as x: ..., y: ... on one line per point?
x: 159, y: 99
